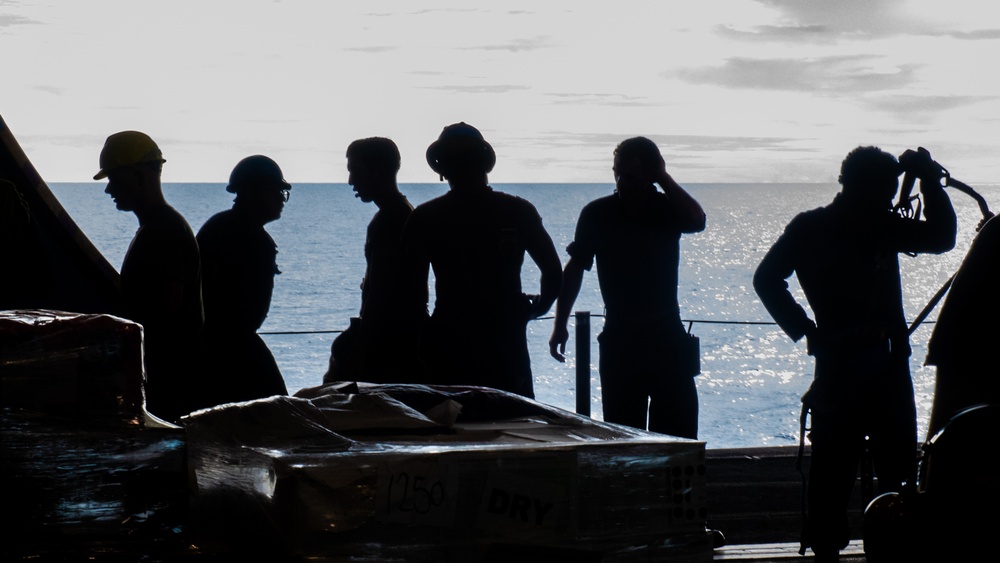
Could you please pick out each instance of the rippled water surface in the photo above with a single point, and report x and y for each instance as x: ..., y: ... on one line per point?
x: 753, y: 375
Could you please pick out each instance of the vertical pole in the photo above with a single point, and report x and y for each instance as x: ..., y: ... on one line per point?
x: 583, y: 363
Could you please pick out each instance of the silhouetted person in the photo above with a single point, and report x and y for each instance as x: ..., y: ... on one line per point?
x: 966, y: 331
x: 160, y: 275
x: 845, y: 256
x: 634, y: 235
x: 380, y: 346
x: 239, y: 261
x: 475, y: 239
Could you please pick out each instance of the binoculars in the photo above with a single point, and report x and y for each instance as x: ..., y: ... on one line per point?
x: 919, y: 164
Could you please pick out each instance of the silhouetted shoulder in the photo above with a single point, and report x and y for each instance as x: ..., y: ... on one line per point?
x: 812, y: 219
x: 514, y: 201
x: 169, y: 220
x: 457, y: 204
x: 164, y: 236
x: 600, y: 203
x: 216, y: 225
x: 818, y: 213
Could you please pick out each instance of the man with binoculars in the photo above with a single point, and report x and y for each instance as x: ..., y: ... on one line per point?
x: 845, y: 257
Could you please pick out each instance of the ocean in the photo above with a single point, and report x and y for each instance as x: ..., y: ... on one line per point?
x: 753, y: 376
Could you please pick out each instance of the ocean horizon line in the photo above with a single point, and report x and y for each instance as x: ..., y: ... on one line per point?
x: 494, y: 184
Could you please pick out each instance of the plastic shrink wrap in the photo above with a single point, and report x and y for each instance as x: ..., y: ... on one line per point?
x: 86, y: 472
x: 422, y: 473
x: 340, y: 472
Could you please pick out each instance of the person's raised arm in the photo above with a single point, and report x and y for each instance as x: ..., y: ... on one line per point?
x: 687, y: 209
x: 939, y: 214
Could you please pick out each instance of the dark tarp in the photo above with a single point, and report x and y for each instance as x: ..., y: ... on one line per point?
x: 46, y: 262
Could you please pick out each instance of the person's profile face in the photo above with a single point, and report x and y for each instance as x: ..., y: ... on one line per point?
x: 269, y: 200
x: 123, y: 187
x: 360, y: 179
x: 277, y: 195
x: 616, y: 170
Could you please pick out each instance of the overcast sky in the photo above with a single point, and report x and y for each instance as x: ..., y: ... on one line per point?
x: 731, y: 90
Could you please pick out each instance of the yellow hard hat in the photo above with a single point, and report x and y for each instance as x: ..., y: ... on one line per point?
x: 127, y: 148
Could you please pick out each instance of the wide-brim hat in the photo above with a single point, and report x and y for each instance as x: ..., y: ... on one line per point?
x: 256, y: 171
x: 127, y: 148
x: 460, y: 145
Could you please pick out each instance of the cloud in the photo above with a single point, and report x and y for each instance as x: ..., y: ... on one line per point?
x: 587, y: 157
x: 793, y: 33
x: 721, y: 143
x: 373, y: 49
x: 827, y: 34
x: 885, y: 17
x: 517, y: 45
x: 833, y: 76
x: 433, y: 11
x: 678, y: 143
x: 73, y: 141
x: 825, y: 21
x: 742, y: 159
x: 55, y: 91
x: 603, y: 100
x: 910, y: 108
x: 10, y: 20
x: 481, y: 89
x: 977, y: 35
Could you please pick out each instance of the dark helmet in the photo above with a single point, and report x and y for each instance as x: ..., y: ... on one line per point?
x: 460, y: 146
x: 256, y: 171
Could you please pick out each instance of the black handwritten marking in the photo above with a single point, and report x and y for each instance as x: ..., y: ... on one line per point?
x: 541, y: 510
x: 518, y: 507
x: 418, y: 495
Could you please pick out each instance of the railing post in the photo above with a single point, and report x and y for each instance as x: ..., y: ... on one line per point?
x: 583, y: 363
